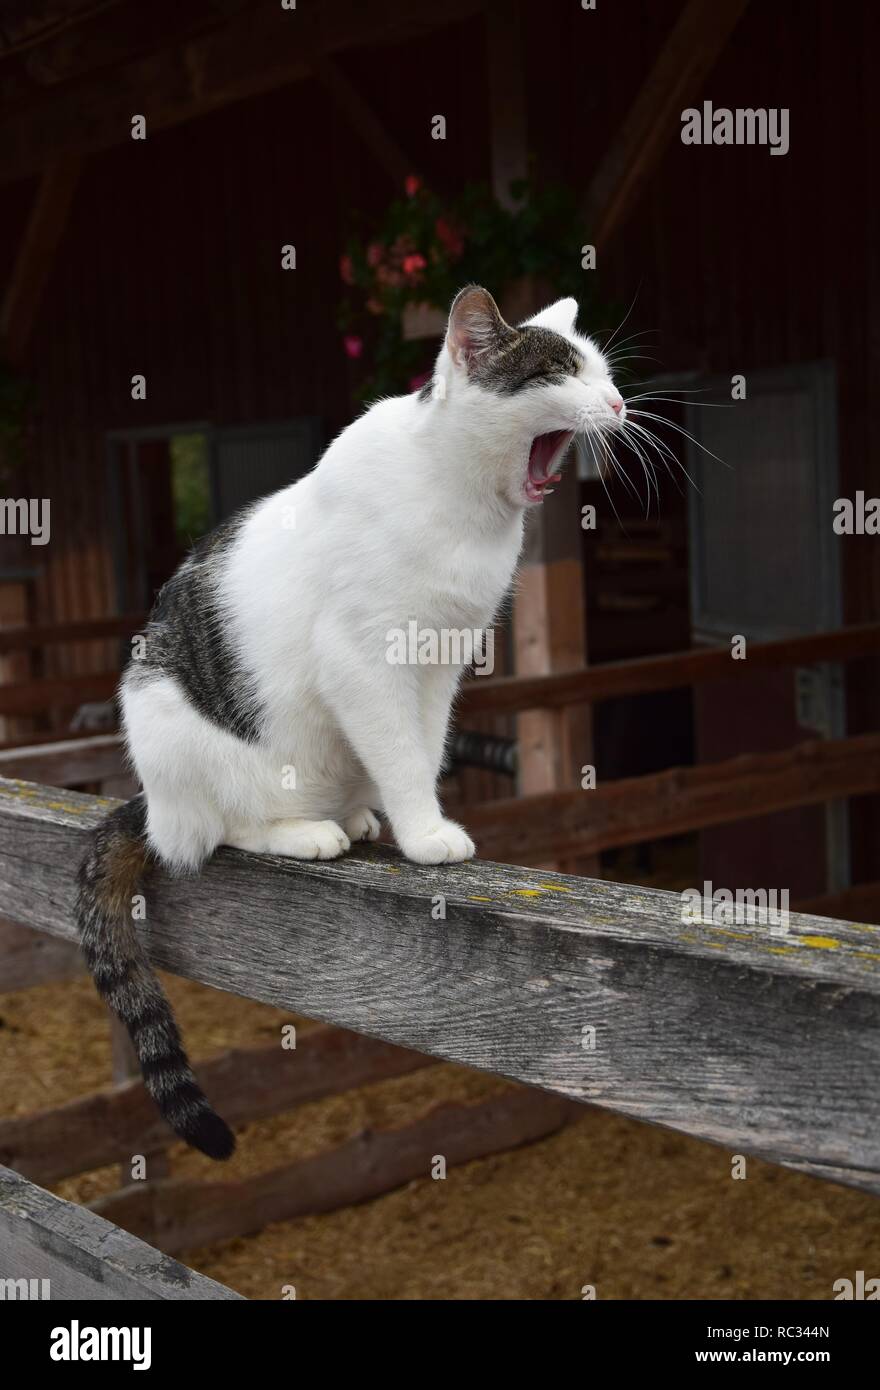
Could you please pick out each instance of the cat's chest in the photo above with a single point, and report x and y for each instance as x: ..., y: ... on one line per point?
x: 465, y: 582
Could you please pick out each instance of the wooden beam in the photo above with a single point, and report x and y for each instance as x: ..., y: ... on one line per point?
x: 254, y: 52
x: 765, y: 1043
x: 674, y: 82
x: 82, y: 1255
x: 68, y: 763
x: 30, y: 958
x: 36, y: 257
x: 634, y: 809
x: 505, y: 694
x: 19, y: 639
x: 180, y: 1215
x: 246, y: 1084
x: 364, y: 121
x: 59, y: 692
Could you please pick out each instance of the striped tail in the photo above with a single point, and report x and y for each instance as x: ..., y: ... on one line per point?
x: 108, y: 878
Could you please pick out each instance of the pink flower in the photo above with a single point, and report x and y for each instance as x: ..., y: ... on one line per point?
x: 375, y: 253
x: 354, y: 346
x: 449, y: 236
x: 375, y: 306
x: 413, y: 265
x: 346, y: 269
x: 412, y: 184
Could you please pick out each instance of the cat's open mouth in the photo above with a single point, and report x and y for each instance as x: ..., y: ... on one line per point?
x: 544, y: 455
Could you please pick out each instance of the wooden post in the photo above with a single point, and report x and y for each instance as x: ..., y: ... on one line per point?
x: 549, y: 623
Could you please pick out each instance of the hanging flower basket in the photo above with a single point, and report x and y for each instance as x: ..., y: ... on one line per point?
x: 402, y: 275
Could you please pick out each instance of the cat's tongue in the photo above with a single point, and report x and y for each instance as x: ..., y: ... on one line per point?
x: 545, y: 447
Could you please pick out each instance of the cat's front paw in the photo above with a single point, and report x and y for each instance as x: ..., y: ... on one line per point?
x: 446, y: 843
x: 361, y: 825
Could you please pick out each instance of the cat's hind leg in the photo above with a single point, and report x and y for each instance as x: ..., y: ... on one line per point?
x: 299, y: 839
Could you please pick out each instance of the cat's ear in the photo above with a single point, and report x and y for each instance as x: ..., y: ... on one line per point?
x: 560, y: 317
x: 476, y: 327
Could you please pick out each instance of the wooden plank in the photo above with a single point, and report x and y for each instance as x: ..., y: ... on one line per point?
x: 84, y: 1256
x: 61, y: 692
x: 180, y: 1215
x: 667, y: 672
x: 633, y: 809
x: 29, y: 957
x: 253, y: 52
x: 36, y: 256
x: 246, y: 1084
x: 675, y: 81
x: 14, y: 639
x: 764, y: 1043
x: 66, y: 763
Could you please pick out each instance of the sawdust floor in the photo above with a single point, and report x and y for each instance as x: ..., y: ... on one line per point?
x: 634, y: 1210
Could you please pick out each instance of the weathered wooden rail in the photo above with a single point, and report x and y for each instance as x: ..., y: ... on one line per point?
x: 83, y: 1256
x: 766, y: 1044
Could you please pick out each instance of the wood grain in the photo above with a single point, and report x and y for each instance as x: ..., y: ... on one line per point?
x: 84, y: 1256
x: 764, y: 1044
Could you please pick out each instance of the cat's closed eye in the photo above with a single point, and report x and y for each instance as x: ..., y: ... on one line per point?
x: 544, y: 377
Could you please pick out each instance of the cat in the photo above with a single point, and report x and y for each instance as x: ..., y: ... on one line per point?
x: 264, y: 712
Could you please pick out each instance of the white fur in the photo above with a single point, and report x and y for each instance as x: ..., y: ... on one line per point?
x: 414, y: 512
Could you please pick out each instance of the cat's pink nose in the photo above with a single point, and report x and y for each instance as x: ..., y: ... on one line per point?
x: 616, y: 404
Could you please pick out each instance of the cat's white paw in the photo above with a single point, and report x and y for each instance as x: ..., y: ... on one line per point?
x: 362, y: 825
x: 308, y: 839
x: 447, y: 843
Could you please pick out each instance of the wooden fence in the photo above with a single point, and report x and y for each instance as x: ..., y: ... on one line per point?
x: 763, y: 1040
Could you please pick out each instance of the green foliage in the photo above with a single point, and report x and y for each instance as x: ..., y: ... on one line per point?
x: 428, y: 247
x: 190, y: 487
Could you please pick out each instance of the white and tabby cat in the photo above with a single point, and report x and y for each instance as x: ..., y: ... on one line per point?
x: 265, y: 713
